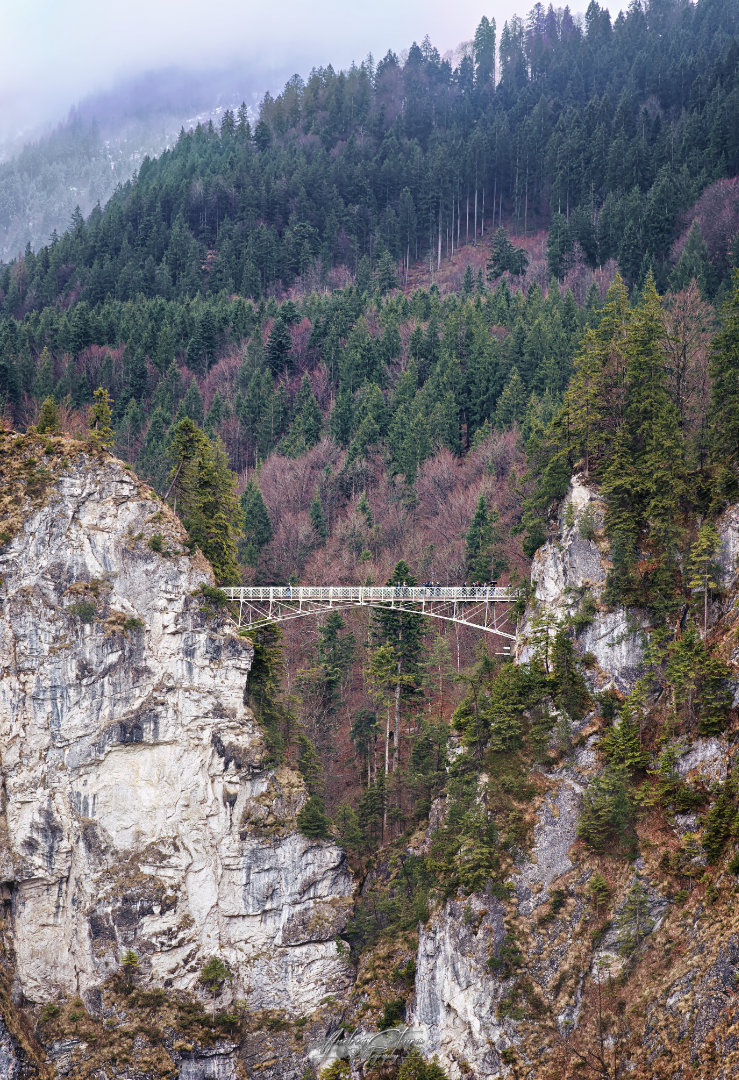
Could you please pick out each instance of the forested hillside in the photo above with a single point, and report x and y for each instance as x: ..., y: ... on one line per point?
x: 373, y: 299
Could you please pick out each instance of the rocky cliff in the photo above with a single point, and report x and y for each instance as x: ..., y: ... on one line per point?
x: 137, y: 811
x: 568, y: 575
x: 547, y: 982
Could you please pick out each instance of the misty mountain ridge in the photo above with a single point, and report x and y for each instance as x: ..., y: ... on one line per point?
x: 103, y: 142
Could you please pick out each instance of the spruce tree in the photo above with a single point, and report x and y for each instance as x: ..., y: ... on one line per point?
x: 482, y: 556
x: 202, y: 487
x: 511, y: 405
x: 595, y: 397
x: 279, y: 344
x: 312, y: 819
x: 341, y: 422
x: 652, y: 421
x: 317, y: 516
x: 402, y: 633
x: 99, y: 418
x: 257, y: 526
x: 634, y: 921
x: 335, y: 652
x: 702, y: 566
x: 191, y: 405
x: 504, y: 256
x: 49, y: 421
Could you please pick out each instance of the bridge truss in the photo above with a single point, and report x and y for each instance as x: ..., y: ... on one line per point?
x: 485, y: 608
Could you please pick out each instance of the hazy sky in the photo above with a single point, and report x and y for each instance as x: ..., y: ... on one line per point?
x: 55, y: 52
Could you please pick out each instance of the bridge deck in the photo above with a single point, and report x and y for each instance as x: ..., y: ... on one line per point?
x: 366, y: 594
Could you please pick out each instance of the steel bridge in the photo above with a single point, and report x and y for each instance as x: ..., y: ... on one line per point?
x: 481, y: 607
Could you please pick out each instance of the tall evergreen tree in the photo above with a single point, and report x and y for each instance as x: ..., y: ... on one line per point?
x: 402, y: 634
x: 257, y: 526
x: 202, y: 487
x: 483, y: 557
x: 99, y: 420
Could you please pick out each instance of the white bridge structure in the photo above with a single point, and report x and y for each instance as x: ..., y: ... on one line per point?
x: 483, y: 607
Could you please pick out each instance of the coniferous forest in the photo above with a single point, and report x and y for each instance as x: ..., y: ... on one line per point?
x: 370, y: 337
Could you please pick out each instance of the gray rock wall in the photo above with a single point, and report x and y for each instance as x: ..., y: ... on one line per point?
x: 137, y: 811
x: 572, y: 564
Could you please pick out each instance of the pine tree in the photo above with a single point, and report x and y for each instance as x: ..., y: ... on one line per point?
x: 202, y: 486
x: 99, y: 418
x: 511, y: 406
x: 213, y: 975
x: 49, y: 420
x: 312, y: 819
x: 482, y: 557
x: 191, y: 405
x: 317, y: 516
x: 129, y: 965
x: 257, y: 526
x: 702, y: 566
x: 634, y: 921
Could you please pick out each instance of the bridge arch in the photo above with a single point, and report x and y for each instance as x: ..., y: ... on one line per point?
x: 485, y: 608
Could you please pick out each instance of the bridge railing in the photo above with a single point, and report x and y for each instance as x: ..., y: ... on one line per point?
x: 365, y: 594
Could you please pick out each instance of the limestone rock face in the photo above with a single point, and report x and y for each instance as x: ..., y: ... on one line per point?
x: 570, y: 568
x: 457, y: 994
x: 138, y: 812
x: 728, y: 553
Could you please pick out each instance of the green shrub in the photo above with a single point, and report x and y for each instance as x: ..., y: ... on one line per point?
x: 586, y: 524
x: 608, y: 813
x: 393, y: 1013
x: 734, y: 863
x: 216, y: 597
x: 84, y: 610
x: 312, y: 819
x: 599, y: 891
x: 415, y: 1067
x: 156, y: 543
x: 721, y: 823
x: 132, y: 623
x: 49, y: 1011
x: 508, y: 958
x: 557, y: 900
x: 337, y: 1070
x: 608, y: 702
